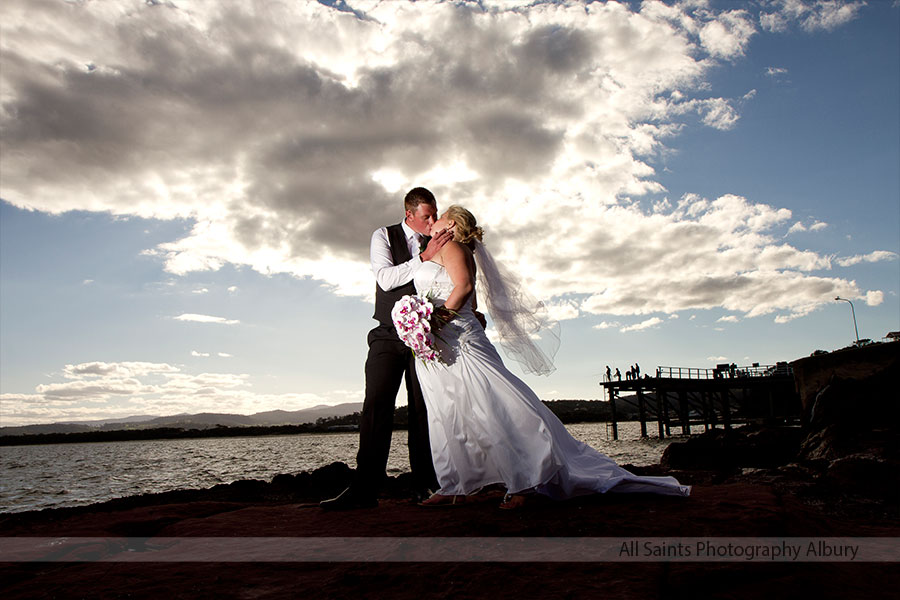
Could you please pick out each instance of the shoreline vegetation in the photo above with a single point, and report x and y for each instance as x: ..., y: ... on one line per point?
x: 568, y: 411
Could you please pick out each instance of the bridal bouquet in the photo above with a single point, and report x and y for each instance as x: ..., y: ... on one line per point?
x: 412, y: 318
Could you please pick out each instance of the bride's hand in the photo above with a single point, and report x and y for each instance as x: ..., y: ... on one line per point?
x: 440, y: 317
x: 436, y: 243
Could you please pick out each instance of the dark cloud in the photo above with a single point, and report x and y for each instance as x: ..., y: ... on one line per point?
x: 557, y: 49
x: 279, y: 127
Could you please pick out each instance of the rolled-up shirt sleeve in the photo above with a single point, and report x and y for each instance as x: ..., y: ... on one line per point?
x: 387, y: 274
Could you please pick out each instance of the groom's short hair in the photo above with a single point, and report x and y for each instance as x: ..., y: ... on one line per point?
x: 417, y: 196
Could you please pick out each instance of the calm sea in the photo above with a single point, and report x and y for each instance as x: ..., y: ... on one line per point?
x: 57, y: 475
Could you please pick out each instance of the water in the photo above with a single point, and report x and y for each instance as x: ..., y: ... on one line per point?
x: 57, y: 475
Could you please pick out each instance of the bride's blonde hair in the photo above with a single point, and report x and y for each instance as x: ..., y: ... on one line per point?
x: 467, y: 231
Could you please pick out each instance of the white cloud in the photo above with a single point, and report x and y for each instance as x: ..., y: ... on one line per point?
x: 717, y: 359
x: 817, y: 15
x: 877, y: 256
x: 200, y: 291
x: 206, y: 319
x: 607, y: 325
x: 202, y: 354
x: 719, y: 114
x: 116, y: 369
x: 91, y: 390
x: 829, y: 15
x: 727, y: 319
x: 99, y: 390
x: 874, y: 297
x: 274, y: 129
x: 224, y: 355
x: 646, y: 324
x: 562, y: 311
x: 773, y: 22
x: 728, y: 35
x: 776, y: 71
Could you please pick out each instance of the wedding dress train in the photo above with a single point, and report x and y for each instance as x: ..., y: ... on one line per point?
x: 487, y: 426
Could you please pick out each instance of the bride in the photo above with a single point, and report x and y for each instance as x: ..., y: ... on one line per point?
x: 486, y: 425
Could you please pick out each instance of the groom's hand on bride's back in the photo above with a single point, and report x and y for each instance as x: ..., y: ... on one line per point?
x: 436, y: 243
x: 481, y: 319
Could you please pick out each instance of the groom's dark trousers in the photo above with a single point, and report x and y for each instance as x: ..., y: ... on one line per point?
x: 388, y: 362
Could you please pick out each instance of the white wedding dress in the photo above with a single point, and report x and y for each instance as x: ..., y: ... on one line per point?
x: 487, y: 426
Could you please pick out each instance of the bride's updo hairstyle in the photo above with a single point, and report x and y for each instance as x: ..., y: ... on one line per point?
x: 467, y: 231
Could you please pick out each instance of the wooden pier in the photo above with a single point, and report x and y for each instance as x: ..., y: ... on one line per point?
x: 681, y: 397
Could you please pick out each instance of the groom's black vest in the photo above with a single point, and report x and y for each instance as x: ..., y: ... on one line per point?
x: 385, y: 300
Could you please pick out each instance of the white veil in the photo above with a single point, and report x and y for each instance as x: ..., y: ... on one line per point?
x: 527, y: 333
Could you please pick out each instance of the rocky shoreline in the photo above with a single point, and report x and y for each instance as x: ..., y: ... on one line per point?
x: 837, y: 476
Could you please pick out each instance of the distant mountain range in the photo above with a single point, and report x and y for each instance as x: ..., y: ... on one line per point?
x: 197, y: 421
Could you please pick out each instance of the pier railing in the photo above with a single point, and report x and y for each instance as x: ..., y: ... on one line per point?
x: 723, y: 372
x: 726, y: 395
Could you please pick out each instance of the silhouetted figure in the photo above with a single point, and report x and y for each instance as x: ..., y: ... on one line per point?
x: 618, y: 374
x: 637, y: 371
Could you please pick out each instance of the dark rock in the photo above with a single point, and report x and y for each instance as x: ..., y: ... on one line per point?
x: 822, y: 445
x: 731, y: 449
x: 865, y: 474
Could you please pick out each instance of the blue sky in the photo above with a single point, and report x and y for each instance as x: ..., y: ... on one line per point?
x: 188, y: 190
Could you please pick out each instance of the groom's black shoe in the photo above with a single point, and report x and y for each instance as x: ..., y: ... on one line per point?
x: 349, y: 500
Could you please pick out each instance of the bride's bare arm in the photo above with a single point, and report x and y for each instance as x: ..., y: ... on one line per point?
x: 458, y: 261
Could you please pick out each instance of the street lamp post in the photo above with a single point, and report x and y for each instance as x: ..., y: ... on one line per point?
x: 853, y: 312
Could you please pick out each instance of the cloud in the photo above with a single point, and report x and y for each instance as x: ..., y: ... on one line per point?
x: 97, y: 390
x: 202, y: 354
x: 273, y: 129
x: 646, y: 324
x: 206, y: 319
x: 562, y: 311
x: 818, y: 15
x: 776, y: 71
x: 727, y: 319
x: 874, y: 297
x: 703, y: 254
x: 117, y: 369
x: 224, y: 355
x: 91, y: 390
x: 200, y: 291
x: 799, y: 227
x: 872, y: 257
x: 727, y: 36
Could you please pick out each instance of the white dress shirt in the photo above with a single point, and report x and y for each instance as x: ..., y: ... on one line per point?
x: 387, y: 274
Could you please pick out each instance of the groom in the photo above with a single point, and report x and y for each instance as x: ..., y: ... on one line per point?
x: 396, y: 253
